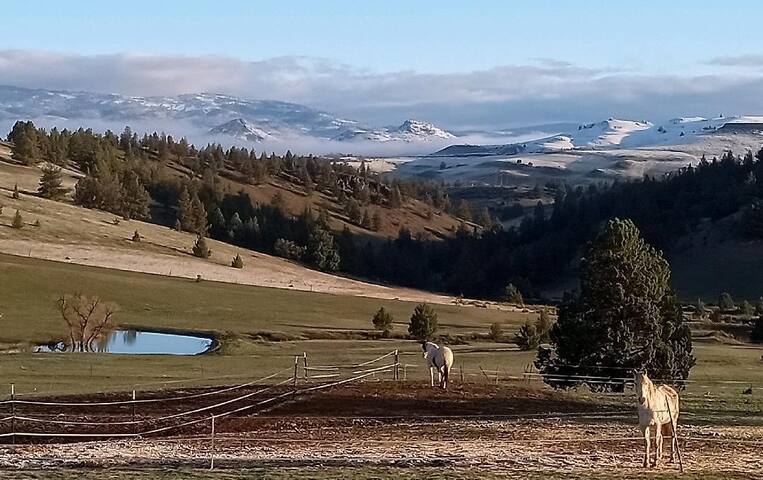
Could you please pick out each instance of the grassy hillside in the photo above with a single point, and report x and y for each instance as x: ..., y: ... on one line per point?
x: 331, y: 328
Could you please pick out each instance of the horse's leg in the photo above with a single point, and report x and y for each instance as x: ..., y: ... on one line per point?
x: 658, y: 438
x: 431, y: 376
x: 645, y: 433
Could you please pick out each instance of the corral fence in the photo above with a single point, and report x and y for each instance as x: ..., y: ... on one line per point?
x: 27, y: 420
x: 151, y: 415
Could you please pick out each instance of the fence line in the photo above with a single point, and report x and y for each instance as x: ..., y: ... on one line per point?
x: 296, y: 391
x: 142, y: 400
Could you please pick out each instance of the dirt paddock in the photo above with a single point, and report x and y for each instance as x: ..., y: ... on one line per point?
x: 506, y: 431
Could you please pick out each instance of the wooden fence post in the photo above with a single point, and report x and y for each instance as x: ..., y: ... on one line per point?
x: 133, y: 412
x: 296, y: 367
x: 461, y: 367
x: 304, y: 357
x: 212, y: 452
x: 396, y: 371
x: 13, y: 414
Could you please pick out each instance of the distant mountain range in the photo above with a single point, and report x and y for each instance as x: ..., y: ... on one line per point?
x: 211, y: 115
x: 617, y: 134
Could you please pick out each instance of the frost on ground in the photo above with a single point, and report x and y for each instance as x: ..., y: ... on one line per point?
x: 540, y: 445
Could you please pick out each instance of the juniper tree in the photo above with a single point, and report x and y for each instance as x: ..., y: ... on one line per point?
x: 50, y: 183
x: 527, y: 338
x: 496, y: 331
x: 726, y: 303
x: 200, y: 248
x: 18, y: 221
x: 237, y: 262
x: 423, y: 322
x: 512, y: 294
x: 382, y: 321
x: 321, y: 251
x: 15, y: 195
x: 625, y: 317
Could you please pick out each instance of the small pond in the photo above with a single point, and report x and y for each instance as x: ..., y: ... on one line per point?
x: 139, y: 342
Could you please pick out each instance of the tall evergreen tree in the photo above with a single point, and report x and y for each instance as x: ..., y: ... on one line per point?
x: 25, y: 143
x: 50, y: 183
x: 423, y: 323
x: 626, y: 316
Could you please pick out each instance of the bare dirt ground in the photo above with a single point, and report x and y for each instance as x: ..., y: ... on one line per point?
x: 503, y: 430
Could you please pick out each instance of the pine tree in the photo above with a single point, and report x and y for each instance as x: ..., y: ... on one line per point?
x: 463, y: 211
x: 321, y: 251
x: 543, y: 326
x: 217, y: 223
x: 511, y: 294
x: 352, y: 209
x: 135, y: 199
x: 485, y: 219
x: 423, y: 322
x: 237, y: 262
x: 200, y: 248
x: 18, y: 221
x: 747, y: 309
x: 25, y: 143
x: 759, y: 306
x: 50, y: 183
x: 626, y: 316
x: 726, y: 302
x: 527, y: 338
x: 382, y: 321
x: 235, y: 227
x: 496, y: 332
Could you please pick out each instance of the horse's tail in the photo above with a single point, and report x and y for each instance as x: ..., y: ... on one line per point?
x: 447, y: 356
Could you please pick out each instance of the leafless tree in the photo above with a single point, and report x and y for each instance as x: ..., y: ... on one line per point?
x: 87, y: 318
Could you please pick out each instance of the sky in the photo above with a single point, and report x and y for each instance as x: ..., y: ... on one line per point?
x: 464, y: 64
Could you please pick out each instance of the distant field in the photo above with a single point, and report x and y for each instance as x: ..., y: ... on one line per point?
x: 326, y: 326
x: 330, y: 328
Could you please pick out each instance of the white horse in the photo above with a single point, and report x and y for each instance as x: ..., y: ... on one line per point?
x: 657, y: 412
x: 440, y: 359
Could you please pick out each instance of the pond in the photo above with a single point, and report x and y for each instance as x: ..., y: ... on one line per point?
x: 140, y: 342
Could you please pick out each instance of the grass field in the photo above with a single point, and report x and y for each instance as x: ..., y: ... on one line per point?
x: 331, y: 328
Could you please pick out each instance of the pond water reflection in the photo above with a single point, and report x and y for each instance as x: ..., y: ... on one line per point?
x: 138, y: 342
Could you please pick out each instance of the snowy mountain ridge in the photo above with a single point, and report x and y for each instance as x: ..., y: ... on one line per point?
x: 215, y: 115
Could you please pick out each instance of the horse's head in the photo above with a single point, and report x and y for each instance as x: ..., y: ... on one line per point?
x: 640, y: 381
x: 427, y: 346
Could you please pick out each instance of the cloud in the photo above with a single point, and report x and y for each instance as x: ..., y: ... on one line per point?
x: 542, y: 91
x: 749, y: 60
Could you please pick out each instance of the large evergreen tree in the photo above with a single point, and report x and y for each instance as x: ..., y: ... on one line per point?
x: 625, y: 317
x: 25, y: 143
x: 50, y: 183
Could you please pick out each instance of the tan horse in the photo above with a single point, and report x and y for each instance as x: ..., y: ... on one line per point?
x: 658, y: 413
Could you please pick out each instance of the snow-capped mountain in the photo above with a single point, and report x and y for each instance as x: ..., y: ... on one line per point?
x: 241, y: 129
x: 205, y: 111
x: 409, y: 131
x: 616, y: 134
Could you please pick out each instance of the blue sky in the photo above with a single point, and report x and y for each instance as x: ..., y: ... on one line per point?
x: 461, y: 63
x: 429, y: 36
